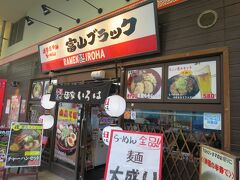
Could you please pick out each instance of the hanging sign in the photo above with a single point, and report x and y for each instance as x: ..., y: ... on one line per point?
x: 216, y: 164
x: 124, y: 35
x: 94, y: 93
x: 167, y: 3
x: 25, y: 145
x: 134, y: 155
x: 4, y: 136
x: 2, y: 91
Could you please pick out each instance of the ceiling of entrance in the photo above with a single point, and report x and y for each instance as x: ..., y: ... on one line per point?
x: 13, y: 10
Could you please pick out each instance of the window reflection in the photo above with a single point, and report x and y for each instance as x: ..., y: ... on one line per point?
x: 186, y: 120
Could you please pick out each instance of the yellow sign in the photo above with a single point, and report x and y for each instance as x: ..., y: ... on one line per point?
x: 186, y: 73
x: 17, y: 127
x: 67, y: 114
x: 32, y: 153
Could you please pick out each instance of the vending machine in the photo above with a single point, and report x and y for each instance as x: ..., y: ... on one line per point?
x: 99, y: 120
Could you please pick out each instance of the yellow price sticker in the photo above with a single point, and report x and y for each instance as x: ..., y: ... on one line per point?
x: 186, y: 73
x: 16, y: 127
x: 32, y: 153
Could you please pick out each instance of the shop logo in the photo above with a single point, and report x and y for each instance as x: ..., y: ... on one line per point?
x: 50, y: 51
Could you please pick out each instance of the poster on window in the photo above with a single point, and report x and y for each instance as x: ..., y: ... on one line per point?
x: 144, y: 83
x: 25, y: 145
x: 216, y: 164
x: 192, y: 81
x: 66, y: 135
x: 36, y: 111
x: 135, y: 155
x: 7, y: 109
x: 23, y: 106
x: 4, y: 136
x: 14, y: 109
x: 48, y: 87
x: 212, y: 121
x: 37, y: 90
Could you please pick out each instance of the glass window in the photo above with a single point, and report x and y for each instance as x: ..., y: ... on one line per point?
x: 17, y: 31
x: 186, y: 120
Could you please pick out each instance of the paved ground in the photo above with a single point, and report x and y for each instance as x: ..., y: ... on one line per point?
x: 43, y: 175
x: 94, y: 174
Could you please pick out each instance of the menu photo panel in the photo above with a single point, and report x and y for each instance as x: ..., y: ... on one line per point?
x: 193, y: 81
x: 37, y: 90
x: 144, y: 84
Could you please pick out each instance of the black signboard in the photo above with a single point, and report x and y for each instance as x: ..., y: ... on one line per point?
x: 4, y: 136
x: 25, y: 145
x: 92, y: 93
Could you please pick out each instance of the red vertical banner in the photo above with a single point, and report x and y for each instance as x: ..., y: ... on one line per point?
x: 2, y: 91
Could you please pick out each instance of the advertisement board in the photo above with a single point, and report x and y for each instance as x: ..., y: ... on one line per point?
x: 66, y: 135
x: 193, y: 81
x: 134, y: 155
x: 216, y: 164
x: 24, y: 145
x: 144, y: 83
x: 121, y: 36
x: 4, y: 136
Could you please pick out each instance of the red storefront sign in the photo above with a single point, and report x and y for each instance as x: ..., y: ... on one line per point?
x: 2, y: 91
x: 128, y: 34
x: 166, y: 3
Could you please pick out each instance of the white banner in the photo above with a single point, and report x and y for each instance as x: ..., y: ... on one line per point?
x: 134, y: 155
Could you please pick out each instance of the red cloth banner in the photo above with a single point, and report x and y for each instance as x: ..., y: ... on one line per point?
x: 2, y: 91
